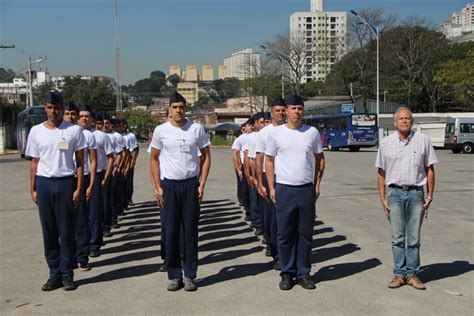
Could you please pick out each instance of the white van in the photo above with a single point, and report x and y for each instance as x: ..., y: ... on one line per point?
x: 459, y: 135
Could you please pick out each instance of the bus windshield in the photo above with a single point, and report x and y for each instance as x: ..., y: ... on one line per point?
x: 363, y: 120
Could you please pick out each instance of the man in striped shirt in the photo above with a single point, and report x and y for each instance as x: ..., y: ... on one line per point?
x: 405, y: 163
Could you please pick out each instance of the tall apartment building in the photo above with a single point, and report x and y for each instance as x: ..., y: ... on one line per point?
x: 223, y: 72
x: 207, y: 73
x: 243, y: 64
x: 175, y: 70
x: 324, y: 36
x: 191, y: 73
x: 460, y: 26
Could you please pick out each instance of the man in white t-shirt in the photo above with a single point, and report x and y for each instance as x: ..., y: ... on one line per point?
x: 250, y: 169
x: 118, y: 179
x: 52, y: 145
x: 174, y: 159
x: 278, y: 117
x: 70, y: 112
x: 130, y: 167
x: 237, y: 163
x: 238, y: 160
x: 105, y: 162
x: 294, y: 187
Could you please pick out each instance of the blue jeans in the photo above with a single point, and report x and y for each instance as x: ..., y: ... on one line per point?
x: 406, y: 216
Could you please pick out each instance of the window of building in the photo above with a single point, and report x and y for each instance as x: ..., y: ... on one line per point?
x: 309, y: 20
x: 309, y: 26
x: 308, y: 40
x: 333, y: 19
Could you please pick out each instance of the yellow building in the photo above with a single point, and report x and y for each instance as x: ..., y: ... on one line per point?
x: 175, y: 70
x: 223, y: 72
x: 189, y: 90
x: 207, y: 73
x: 191, y: 73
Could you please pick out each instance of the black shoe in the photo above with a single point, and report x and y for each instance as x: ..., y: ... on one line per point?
x: 264, y: 241
x: 258, y: 231
x: 276, y: 266
x: 268, y: 251
x: 306, y: 283
x: 52, y: 284
x: 130, y: 203
x: 286, y: 282
x: 94, y: 254
x: 115, y: 226
x: 68, y: 284
x: 247, y: 218
x: 163, y: 268
x: 84, y: 267
x: 107, y: 233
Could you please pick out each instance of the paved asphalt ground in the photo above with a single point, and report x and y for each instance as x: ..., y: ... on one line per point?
x: 351, y: 255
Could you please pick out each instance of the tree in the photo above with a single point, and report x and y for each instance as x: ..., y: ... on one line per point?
x: 456, y: 79
x: 99, y: 94
x: 40, y: 92
x: 140, y: 122
x: 174, y: 79
x: 291, y: 50
x: 223, y: 89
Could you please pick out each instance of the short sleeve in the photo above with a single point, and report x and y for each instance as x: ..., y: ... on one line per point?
x: 203, y: 138
x: 380, y: 161
x: 32, y: 149
x: 92, y: 144
x: 260, y: 143
x: 156, y: 141
x: 237, y: 144
x: 108, y: 148
x: 317, y: 145
x: 430, y: 157
x: 271, y: 146
x: 80, y: 140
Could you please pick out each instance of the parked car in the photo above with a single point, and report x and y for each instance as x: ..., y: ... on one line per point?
x: 459, y: 135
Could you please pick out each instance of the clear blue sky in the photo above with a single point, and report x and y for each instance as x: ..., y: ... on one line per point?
x: 78, y: 35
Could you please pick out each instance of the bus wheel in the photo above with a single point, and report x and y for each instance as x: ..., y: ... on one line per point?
x: 456, y: 151
x: 354, y: 148
x: 467, y: 148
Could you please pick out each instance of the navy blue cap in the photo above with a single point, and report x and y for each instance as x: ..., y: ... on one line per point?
x: 54, y: 97
x: 279, y: 101
x: 257, y: 116
x: 85, y: 107
x: 176, y: 97
x: 70, y: 106
x: 99, y: 116
x: 106, y: 117
x: 267, y: 116
x: 251, y: 120
x: 295, y: 100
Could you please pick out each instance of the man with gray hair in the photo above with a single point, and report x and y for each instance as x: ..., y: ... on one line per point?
x: 405, y: 162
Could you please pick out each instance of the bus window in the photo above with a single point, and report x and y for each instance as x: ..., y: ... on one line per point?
x: 363, y: 120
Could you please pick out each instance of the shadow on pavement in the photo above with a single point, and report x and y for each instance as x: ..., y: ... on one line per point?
x: 343, y: 270
x: 438, y: 271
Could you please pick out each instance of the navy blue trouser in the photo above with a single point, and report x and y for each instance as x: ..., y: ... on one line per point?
x: 181, y: 218
x: 254, y: 209
x: 81, y: 225
x: 116, y: 196
x: 96, y: 213
x: 270, y: 222
x: 56, y: 211
x: 107, y: 205
x: 129, y: 186
x: 295, y: 211
x: 244, y: 189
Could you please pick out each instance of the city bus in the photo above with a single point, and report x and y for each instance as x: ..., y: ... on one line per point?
x: 345, y: 130
x: 26, y: 120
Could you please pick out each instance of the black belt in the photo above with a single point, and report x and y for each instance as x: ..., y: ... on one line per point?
x: 406, y: 187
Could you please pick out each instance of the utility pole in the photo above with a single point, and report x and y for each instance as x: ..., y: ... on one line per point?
x: 30, y: 84
x: 118, y: 89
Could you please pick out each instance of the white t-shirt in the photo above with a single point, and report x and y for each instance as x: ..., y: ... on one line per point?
x: 132, y: 141
x: 55, y: 149
x: 178, y: 149
x: 294, y: 150
x: 261, y: 142
x: 238, y: 144
x: 252, y: 142
x: 104, y: 148
x: 120, y: 142
x: 91, y: 144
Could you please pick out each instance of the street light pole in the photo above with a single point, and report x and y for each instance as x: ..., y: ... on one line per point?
x: 29, y: 84
x: 375, y: 31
